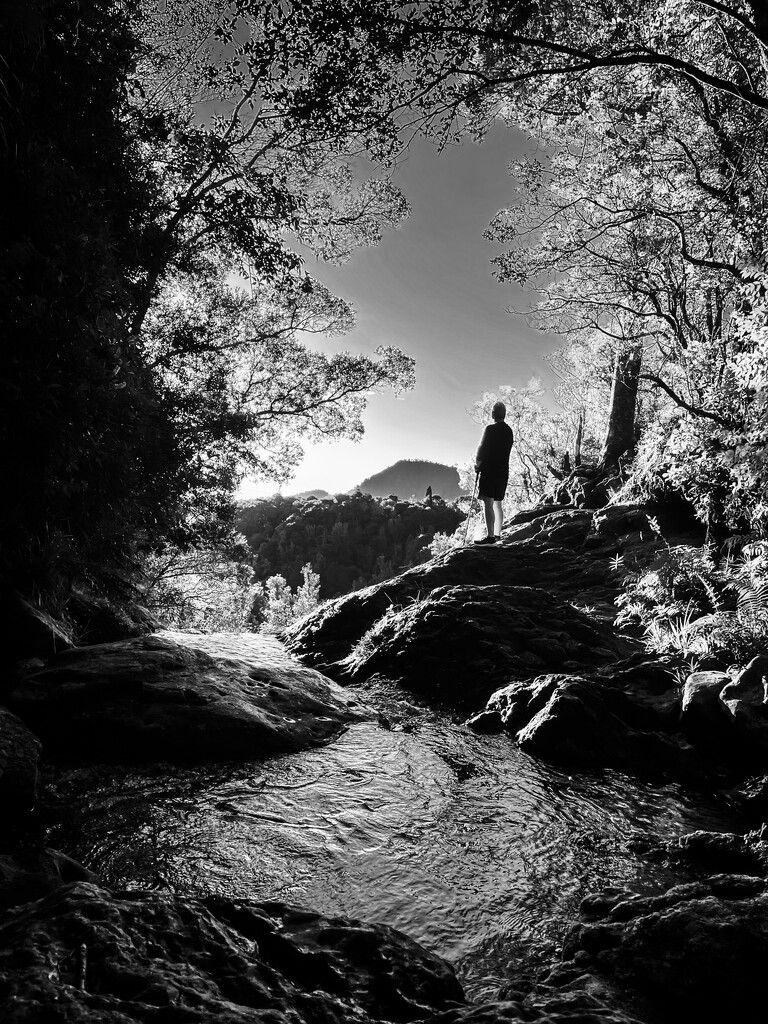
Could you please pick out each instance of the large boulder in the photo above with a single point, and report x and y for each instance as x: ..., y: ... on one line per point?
x: 19, y: 754
x: 33, y: 872
x: 142, y: 958
x: 329, y: 634
x: 181, y: 697
x: 651, y: 685
x: 695, y: 953
x: 460, y: 643
x: 714, y: 852
x: 745, y: 698
x: 583, y: 722
x: 703, y: 717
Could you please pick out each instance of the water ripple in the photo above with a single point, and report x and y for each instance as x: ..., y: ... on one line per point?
x: 460, y: 840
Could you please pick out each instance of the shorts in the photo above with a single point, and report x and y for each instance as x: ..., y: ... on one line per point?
x: 493, y: 485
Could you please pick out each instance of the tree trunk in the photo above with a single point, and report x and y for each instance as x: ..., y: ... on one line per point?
x: 579, y: 435
x: 620, y: 436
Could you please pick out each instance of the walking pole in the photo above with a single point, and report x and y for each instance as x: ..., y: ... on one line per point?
x: 471, y: 508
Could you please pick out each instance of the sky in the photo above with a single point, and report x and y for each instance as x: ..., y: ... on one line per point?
x: 428, y: 289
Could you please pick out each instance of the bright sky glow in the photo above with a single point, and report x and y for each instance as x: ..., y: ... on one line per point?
x: 428, y: 288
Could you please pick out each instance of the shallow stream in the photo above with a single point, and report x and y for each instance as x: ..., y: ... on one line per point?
x: 458, y: 839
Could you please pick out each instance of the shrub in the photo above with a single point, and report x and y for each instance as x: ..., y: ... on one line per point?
x: 689, y: 606
x: 206, y: 589
x: 276, y: 605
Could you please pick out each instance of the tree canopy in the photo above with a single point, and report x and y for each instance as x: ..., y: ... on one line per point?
x: 168, y: 164
x: 640, y: 219
x: 171, y: 163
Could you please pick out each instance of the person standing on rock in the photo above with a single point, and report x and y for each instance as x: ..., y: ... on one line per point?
x: 492, y: 469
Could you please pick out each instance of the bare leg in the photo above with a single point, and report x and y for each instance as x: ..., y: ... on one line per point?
x: 489, y: 515
x: 499, y: 516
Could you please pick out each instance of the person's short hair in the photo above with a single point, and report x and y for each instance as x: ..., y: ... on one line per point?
x: 499, y: 411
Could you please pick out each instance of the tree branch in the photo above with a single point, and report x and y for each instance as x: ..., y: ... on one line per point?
x: 692, y: 409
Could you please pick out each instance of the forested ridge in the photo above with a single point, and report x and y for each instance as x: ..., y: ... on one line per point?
x: 350, y: 541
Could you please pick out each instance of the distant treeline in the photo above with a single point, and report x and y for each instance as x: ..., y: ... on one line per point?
x: 350, y: 540
x: 411, y: 478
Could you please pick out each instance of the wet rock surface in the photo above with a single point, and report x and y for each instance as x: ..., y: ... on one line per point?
x: 703, y: 717
x: 85, y: 954
x: 750, y: 797
x: 181, y: 697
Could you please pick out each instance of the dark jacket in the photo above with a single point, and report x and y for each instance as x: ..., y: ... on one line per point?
x: 495, y: 446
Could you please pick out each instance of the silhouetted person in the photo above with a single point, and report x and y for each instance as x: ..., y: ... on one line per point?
x: 428, y: 495
x: 492, y: 466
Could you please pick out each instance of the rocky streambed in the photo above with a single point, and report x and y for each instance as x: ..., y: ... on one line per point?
x: 550, y: 818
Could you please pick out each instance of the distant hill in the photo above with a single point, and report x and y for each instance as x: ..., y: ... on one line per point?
x: 411, y: 477
x: 317, y: 493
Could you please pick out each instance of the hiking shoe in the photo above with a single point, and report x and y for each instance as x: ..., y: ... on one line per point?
x: 486, y: 540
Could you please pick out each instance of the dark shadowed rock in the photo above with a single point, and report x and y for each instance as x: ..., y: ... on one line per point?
x: 329, y: 634
x: 30, y: 874
x: 29, y: 631
x: 703, y: 717
x: 746, y: 701
x: 695, y: 953
x: 579, y: 721
x: 136, y: 958
x: 576, y: 1007
x: 458, y: 643
x: 620, y: 519
x: 19, y: 754
x: 650, y: 684
x: 181, y: 697
x: 566, y: 527
x: 717, y: 853
x: 751, y: 797
x: 612, y: 527
x: 99, y: 621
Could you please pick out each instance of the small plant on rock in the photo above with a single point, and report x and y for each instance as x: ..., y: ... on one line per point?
x: 441, y: 543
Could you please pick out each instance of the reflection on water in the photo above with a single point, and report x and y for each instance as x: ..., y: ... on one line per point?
x: 459, y: 840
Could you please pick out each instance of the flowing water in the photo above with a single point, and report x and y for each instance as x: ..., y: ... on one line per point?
x: 458, y: 839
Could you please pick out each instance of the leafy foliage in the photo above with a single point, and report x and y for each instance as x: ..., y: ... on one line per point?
x: 688, y: 605
x: 207, y: 589
x: 164, y: 161
x: 642, y: 216
x: 277, y: 606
